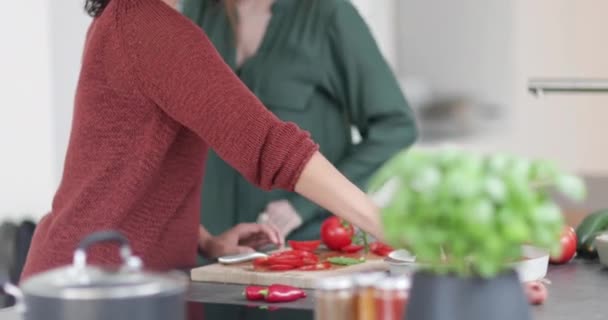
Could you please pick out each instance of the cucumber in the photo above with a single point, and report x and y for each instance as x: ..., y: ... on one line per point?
x: 590, y: 227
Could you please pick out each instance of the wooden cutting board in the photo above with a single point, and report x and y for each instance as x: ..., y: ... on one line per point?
x: 244, y: 274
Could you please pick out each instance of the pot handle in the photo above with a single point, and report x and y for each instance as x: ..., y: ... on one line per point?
x: 130, y: 261
x: 14, y: 291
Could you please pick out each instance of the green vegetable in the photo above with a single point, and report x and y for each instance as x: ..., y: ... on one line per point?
x: 586, y: 232
x: 469, y: 214
x: 345, y: 261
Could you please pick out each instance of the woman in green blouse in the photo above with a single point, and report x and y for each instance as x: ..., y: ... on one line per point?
x: 313, y: 62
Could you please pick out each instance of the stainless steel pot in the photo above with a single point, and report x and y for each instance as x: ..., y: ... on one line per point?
x: 81, y: 291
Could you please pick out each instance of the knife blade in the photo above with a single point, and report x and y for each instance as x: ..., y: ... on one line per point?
x: 240, y: 258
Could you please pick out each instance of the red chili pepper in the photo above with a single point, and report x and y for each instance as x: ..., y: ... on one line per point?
x: 304, y: 245
x: 255, y: 293
x: 281, y: 267
x: 351, y: 248
x: 316, y: 267
x: 283, y: 293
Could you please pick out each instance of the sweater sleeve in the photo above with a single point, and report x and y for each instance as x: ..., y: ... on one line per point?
x: 179, y: 69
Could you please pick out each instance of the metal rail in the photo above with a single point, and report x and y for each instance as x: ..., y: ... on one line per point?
x: 542, y: 86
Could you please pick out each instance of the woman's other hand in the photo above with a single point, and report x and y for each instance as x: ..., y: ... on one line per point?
x: 281, y: 215
x: 243, y: 238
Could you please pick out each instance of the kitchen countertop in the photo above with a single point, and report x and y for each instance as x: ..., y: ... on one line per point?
x: 578, y: 290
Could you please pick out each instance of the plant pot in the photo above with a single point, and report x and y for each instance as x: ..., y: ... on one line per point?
x: 436, y: 297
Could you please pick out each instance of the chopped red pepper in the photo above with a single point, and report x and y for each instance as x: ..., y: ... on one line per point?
x: 255, y: 293
x: 309, y: 246
x: 287, y: 260
x: 260, y: 262
x: 381, y: 249
x: 281, y: 267
x: 310, y: 260
x: 351, y: 248
x: 293, y: 253
x: 316, y: 267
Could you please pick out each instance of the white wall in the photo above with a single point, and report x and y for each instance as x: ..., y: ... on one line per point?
x: 69, y: 24
x: 39, y: 65
x: 460, y: 48
x: 381, y: 17
x: 26, y: 176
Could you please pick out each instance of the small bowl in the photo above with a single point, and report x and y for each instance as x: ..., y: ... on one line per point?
x: 401, y: 262
x: 601, y: 244
x: 533, y: 267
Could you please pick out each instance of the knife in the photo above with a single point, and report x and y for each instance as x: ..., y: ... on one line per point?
x: 240, y: 258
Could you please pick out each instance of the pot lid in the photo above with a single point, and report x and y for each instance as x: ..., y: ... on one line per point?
x: 80, y: 281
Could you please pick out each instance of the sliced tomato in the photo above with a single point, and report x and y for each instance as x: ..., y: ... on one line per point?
x: 316, y: 267
x: 281, y: 267
x: 309, y: 246
x: 351, y: 248
x: 381, y: 249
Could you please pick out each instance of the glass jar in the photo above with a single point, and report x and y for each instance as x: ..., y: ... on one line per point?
x: 365, y: 294
x: 335, y: 299
x: 391, y: 298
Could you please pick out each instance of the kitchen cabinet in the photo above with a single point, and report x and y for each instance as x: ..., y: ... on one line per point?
x: 502, y: 46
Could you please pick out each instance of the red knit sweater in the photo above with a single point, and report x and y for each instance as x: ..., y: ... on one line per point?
x: 153, y: 95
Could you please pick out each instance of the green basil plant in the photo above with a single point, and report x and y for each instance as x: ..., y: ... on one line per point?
x: 469, y: 214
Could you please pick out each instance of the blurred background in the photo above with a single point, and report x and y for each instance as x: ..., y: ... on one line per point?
x: 464, y: 66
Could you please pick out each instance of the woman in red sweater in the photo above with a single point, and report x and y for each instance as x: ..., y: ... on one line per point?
x: 152, y: 97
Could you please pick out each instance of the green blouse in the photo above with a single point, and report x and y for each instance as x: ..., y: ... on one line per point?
x: 318, y: 66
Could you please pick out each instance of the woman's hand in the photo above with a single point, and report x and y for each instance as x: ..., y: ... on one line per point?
x: 243, y: 238
x: 282, y: 215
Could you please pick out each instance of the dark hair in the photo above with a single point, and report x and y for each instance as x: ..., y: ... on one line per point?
x: 95, y: 7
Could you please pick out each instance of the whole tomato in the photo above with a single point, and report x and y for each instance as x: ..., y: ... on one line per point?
x: 336, y: 234
x: 568, y: 247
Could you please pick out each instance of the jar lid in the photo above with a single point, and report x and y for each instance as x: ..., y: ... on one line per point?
x: 369, y: 279
x: 335, y: 283
x: 394, y: 283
